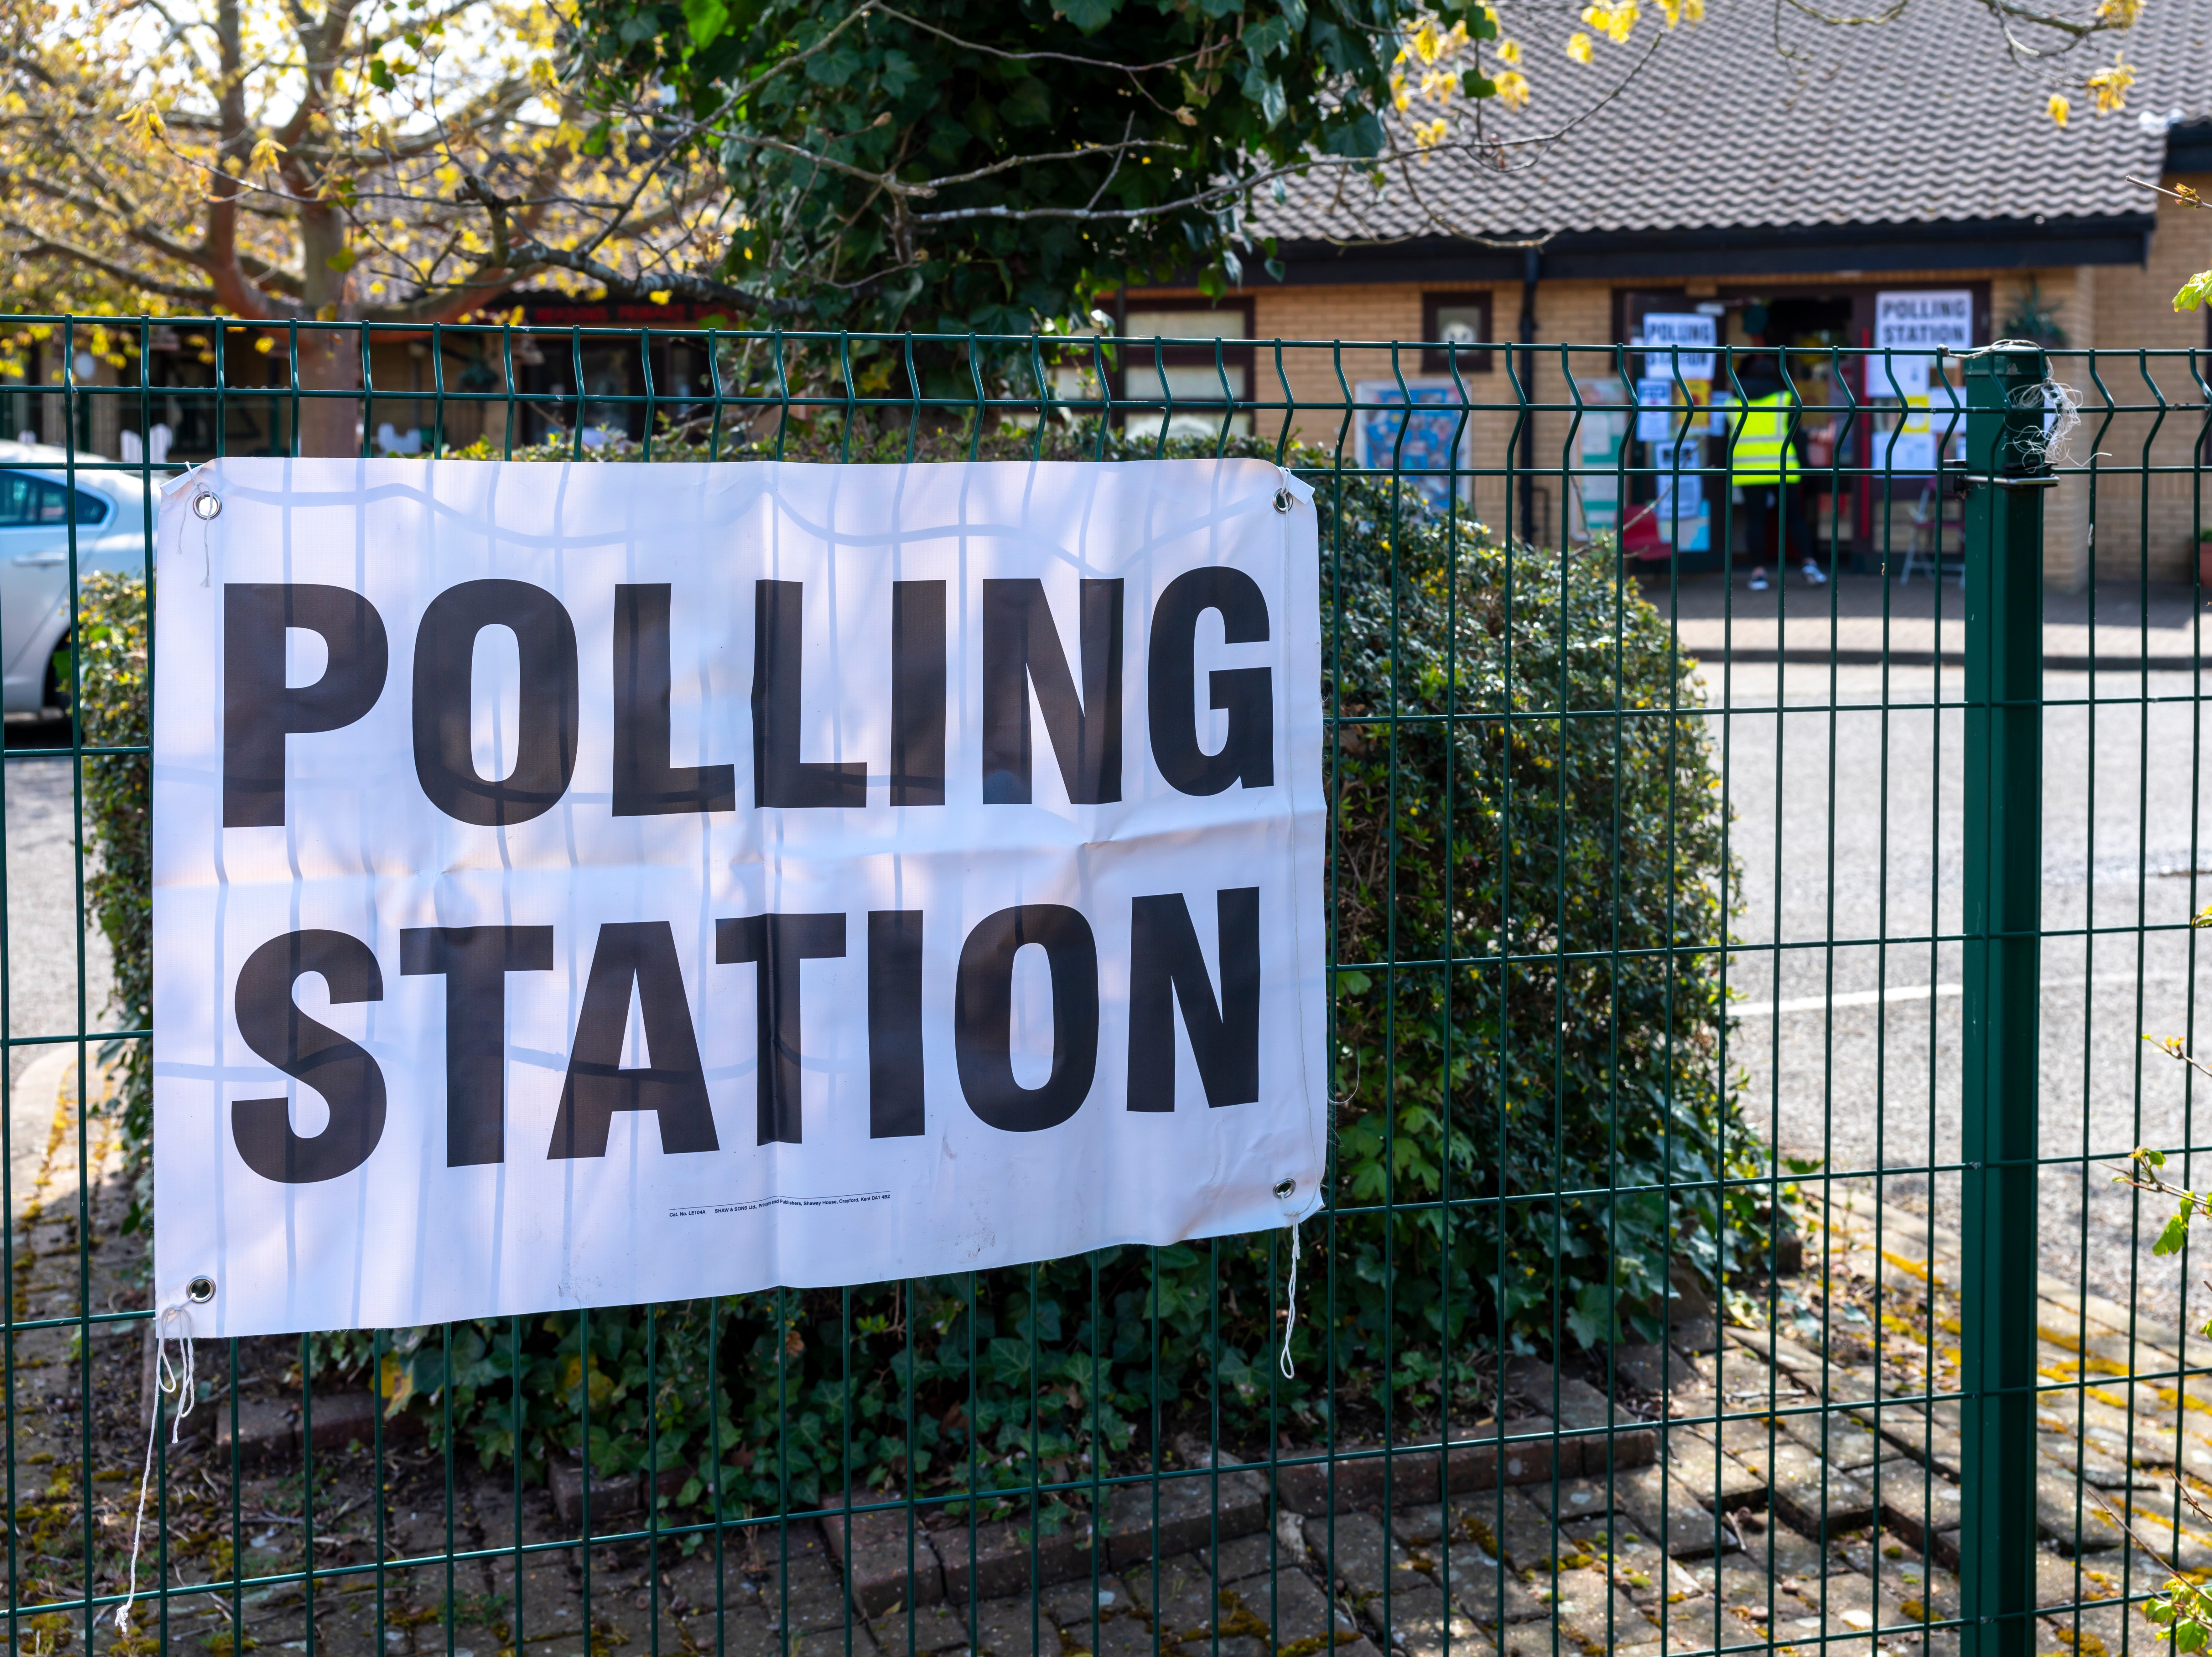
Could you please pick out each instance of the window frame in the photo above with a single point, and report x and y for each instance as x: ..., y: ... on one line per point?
x: 1184, y: 356
x: 1436, y: 361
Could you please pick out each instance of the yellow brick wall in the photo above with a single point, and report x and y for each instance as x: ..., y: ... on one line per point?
x: 2121, y: 307
x: 2130, y: 307
x: 1367, y: 317
x: 2069, y: 295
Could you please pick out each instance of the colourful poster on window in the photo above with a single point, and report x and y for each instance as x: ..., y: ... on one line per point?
x: 1428, y: 449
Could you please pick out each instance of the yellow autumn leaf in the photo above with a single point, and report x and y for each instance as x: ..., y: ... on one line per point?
x: 2059, y: 108
x: 144, y: 121
x: 263, y: 158
x: 396, y: 1381
x: 1513, y: 89
x: 1508, y: 52
x: 1578, y: 47
x: 1615, y: 20
x: 2110, y: 85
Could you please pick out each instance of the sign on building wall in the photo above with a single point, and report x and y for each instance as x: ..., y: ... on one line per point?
x: 1678, y: 344
x: 1916, y: 323
x: 580, y: 885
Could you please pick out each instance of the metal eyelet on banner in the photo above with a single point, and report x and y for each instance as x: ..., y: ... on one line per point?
x: 206, y: 506
x: 1282, y: 499
x: 1283, y: 1190
x: 200, y: 1290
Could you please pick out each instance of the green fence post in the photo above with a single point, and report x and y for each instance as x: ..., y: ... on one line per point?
x: 2006, y: 482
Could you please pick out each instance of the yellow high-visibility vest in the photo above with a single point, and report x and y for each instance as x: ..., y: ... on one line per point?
x: 1761, y: 453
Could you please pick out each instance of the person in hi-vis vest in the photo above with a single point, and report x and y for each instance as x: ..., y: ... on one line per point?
x: 1763, y: 474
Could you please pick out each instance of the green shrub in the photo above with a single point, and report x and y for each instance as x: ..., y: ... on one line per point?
x: 1525, y: 786
x: 1491, y: 812
x: 111, y: 701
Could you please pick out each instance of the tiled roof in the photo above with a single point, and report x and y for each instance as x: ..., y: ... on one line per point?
x: 1921, y: 120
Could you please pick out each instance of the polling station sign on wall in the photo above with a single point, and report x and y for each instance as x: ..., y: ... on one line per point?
x: 1914, y: 324
x: 580, y: 885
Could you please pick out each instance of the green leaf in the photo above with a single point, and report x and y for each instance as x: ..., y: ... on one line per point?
x: 1006, y: 1361
x: 1591, y: 1318
x: 2175, y: 1237
x: 1028, y: 104
x: 2193, y: 294
x: 342, y: 261
x: 379, y: 74
x: 1360, y: 137
x: 1266, y: 91
x: 899, y: 72
x: 1090, y: 16
x: 1475, y: 84
x: 834, y: 67
x: 705, y: 20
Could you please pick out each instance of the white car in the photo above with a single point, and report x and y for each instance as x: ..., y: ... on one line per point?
x: 34, y: 570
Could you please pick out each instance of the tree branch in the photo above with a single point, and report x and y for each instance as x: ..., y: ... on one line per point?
x: 695, y: 291
x: 44, y: 242
x: 1040, y: 56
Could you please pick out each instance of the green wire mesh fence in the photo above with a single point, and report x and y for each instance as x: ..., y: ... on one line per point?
x: 1764, y: 796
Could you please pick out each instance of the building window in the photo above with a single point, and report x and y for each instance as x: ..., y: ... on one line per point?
x: 1178, y: 362
x: 1454, y: 321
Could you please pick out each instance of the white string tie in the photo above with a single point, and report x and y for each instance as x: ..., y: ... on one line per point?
x: 1290, y: 1308
x: 167, y: 1382
x: 183, y: 481
x: 2061, y: 407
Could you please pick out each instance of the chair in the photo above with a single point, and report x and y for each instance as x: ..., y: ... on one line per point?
x: 1927, y: 542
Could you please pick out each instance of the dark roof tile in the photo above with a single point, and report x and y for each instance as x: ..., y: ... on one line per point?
x: 1925, y: 119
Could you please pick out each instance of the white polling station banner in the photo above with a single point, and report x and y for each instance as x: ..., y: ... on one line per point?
x: 576, y: 885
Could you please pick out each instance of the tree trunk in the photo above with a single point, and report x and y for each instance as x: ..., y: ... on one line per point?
x: 329, y: 358
x: 330, y: 361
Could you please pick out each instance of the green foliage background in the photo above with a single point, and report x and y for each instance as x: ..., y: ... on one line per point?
x: 111, y: 703
x: 1472, y: 820
x: 1226, y: 92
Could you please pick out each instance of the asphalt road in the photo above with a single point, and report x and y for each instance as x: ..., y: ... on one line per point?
x: 1848, y: 826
